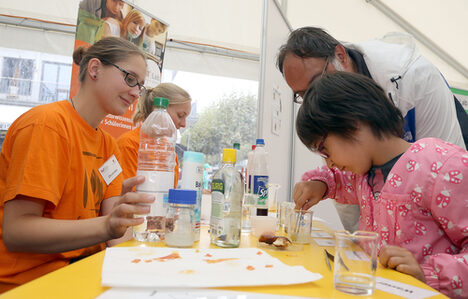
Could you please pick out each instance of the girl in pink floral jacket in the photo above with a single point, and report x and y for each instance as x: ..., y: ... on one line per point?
x: 413, y: 195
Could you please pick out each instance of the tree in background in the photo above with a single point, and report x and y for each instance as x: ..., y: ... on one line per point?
x: 232, y: 119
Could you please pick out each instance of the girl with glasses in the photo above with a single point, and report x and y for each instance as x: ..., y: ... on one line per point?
x: 412, y: 194
x: 62, y: 194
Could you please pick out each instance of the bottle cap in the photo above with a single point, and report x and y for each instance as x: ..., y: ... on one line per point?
x: 229, y: 155
x: 260, y: 141
x: 253, y: 146
x: 182, y: 196
x: 160, y: 102
x: 194, y: 157
x: 236, y: 146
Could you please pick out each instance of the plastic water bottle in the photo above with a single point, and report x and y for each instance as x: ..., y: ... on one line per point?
x: 260, y: 178
x: 227, y: 191
x: 249, y: 202
x: 250, y: 157
x: 192, y: 178
x: 238, y: 166
x: 156, y: 161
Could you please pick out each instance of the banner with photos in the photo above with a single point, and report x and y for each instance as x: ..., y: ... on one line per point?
x: 101, y: 18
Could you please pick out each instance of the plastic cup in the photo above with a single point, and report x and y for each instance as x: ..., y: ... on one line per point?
x: 285, y: 209
x: 273, y: 199
x: 300, y: 226
x: 355, y: 262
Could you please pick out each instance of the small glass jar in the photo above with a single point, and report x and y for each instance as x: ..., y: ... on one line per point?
x: 180, y: 218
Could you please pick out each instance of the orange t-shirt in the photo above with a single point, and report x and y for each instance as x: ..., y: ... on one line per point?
x: 51, y: 153
x: 129, y: 143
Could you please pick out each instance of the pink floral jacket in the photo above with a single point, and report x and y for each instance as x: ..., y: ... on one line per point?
x: 423, y: 206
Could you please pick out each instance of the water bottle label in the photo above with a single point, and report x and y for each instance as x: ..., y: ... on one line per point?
x: 217, y: 185
x: 216, y: 226
x: 156, y: 181
x: 192, y: 176
x: 217, y: 210
x: 260, y: 184
x: 198, y: 215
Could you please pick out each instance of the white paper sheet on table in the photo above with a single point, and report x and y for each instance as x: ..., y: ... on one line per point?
x: 147, y: 267
x: 126, y: 293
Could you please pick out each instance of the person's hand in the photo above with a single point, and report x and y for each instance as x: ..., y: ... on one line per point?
x: 307, y: 194
x: 128, y: 204
x: 130, y: 183
x: 402, y: 260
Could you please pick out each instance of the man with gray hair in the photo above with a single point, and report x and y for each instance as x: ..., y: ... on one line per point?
x: 411, y: 81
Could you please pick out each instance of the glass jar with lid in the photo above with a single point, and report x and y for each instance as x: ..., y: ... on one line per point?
x: 180, y: 218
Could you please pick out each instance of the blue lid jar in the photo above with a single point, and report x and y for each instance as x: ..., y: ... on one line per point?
x: 180, y: 218
x: 182, y: 196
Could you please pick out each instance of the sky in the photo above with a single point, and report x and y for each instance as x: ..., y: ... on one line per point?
x: 206, y: 89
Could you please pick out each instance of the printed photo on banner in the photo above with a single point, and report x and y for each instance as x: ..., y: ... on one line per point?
x: 100, y: 18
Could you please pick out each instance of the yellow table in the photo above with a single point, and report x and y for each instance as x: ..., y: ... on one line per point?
x: 83, y: 279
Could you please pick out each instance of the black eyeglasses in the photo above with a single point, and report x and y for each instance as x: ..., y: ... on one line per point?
x: 298, y: 96
x: 319, y: 149
x: 130, y: 78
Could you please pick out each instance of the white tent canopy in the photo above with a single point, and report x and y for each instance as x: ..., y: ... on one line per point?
x: 236, y: 24
x: 224, y: 36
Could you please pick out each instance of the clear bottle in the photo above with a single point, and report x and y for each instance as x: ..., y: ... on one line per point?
x: 249, y: 202
x: 260, y: 178
x: 192, y: 178
x: 227, y: 191
x: 250, y: 157
x: 238, y: 166
x: 156, y: 161
x: 180, y: 218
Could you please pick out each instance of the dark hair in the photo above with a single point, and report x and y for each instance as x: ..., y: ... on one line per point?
x: 338, y: 103
x: 308, y: 42
x: 107, y: 50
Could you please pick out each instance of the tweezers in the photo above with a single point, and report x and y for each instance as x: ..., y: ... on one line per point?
x: 299, y: 220
x: 329, y: 256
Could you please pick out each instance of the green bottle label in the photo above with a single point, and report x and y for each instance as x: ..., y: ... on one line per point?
x: 217, y: 200
x: 217, y: 185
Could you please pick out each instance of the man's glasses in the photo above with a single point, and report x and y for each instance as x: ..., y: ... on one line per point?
x: 130, y: 78
x: 319, y: 149
x: 298, y: 96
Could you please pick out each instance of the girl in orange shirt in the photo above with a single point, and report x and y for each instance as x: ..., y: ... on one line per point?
x: 61, y: 194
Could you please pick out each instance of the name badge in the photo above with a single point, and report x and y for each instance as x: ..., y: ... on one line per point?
x: 110, y: 169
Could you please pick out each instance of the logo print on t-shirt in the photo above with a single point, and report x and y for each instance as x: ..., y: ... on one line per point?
x: 97, y: 188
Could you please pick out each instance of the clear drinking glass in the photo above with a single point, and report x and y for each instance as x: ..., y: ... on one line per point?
x: 284, y: 210
x: 300, y: 226
x: 273, y: 199
x: 355, y: 262
x: 248, y: 210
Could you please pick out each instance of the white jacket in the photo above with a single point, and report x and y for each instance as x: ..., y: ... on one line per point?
x: 412, y: 81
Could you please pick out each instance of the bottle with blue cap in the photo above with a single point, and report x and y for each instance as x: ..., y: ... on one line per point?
x: 192, y: 178
x: 227, y: 191
x: 180, y: 218
x: 260, y: 178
